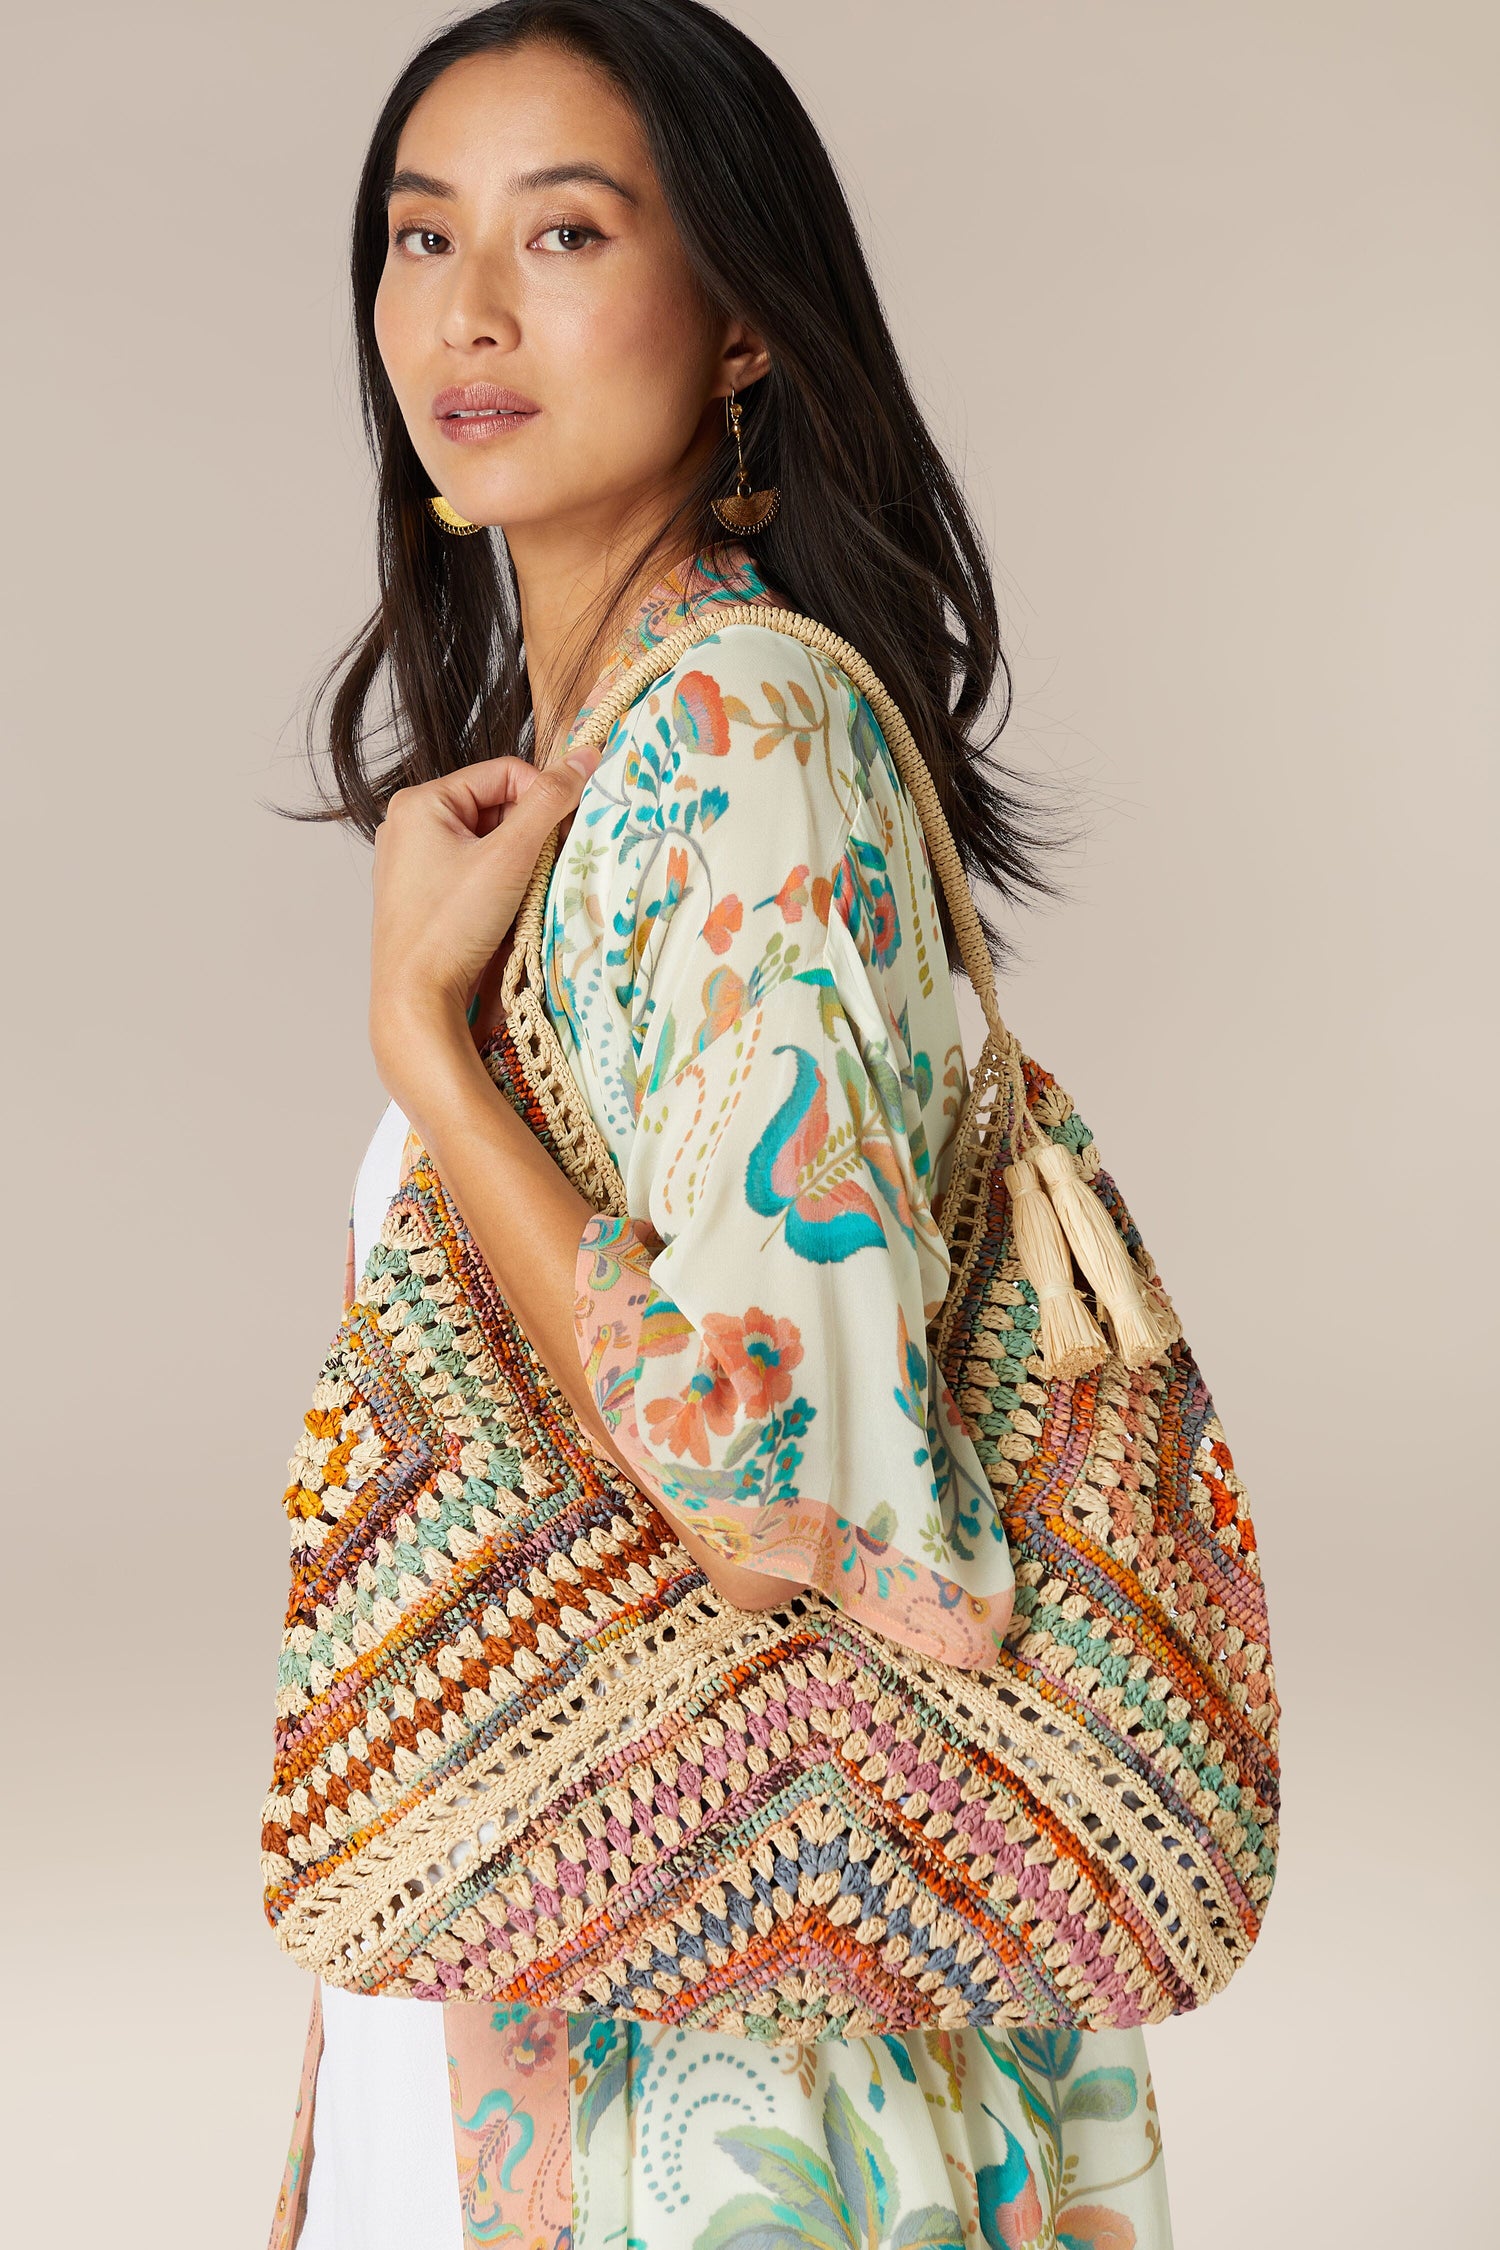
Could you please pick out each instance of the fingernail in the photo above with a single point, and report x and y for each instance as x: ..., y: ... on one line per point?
x: 582, y: 761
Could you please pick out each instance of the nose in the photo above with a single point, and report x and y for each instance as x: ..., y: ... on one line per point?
x: 478, y: 314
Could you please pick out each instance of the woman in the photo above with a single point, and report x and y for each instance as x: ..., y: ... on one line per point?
x: 584, y: 227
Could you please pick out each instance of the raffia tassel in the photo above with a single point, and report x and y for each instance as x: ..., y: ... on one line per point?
x: 1140, y: 1328
x: 1069, y: 1338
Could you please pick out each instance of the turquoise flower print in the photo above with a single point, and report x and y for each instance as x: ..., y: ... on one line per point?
x: 863, y: 897
x: 804, y: 1172
x: 610, y: 2056
x: 1010, y: 2210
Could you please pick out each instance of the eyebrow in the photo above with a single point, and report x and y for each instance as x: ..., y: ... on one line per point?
x: 546, y: 176
x: 418, y: 183
x: 559, y: 175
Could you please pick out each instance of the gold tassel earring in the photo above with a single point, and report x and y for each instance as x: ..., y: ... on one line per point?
x: 743, y: 510
x: 448, y: 519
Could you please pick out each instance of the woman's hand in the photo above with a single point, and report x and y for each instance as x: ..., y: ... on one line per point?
x: 452, y: 861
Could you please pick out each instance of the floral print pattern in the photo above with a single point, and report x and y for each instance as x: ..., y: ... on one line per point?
x: 937, y: 2141
x: 507, y: 2078
x: 746, y: 968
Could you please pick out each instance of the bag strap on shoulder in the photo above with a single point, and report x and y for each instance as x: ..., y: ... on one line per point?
x: 910, y: 764
x: 1058, y: 1219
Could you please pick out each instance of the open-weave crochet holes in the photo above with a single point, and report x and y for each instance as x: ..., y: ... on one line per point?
x: 525, y: 1752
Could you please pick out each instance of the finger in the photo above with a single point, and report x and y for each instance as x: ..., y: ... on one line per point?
x: 493, y: 786
x: 479, y: 793
x: 547, y: 798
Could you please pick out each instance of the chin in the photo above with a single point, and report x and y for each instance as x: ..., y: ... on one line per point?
x: 506, y: 505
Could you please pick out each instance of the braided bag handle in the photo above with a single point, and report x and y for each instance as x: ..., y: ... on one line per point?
x: 591, y: 1161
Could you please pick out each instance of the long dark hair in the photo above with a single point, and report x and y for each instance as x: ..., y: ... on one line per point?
x: 873, y: 536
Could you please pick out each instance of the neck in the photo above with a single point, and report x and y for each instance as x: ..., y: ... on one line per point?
x: 572, y: 604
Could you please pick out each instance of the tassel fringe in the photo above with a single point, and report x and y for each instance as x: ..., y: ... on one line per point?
x: 1141, y: 1328
x: 1069, y: 1338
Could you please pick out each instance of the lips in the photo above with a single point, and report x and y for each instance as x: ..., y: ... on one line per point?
x: 475, y: 410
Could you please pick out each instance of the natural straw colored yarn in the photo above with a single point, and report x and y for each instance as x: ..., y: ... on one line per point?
x: 1070, y: 1341
x: 525, y: 1753
x: 1140, y: 1326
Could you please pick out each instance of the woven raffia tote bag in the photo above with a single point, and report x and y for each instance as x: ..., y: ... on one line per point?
x: 525, y: 1753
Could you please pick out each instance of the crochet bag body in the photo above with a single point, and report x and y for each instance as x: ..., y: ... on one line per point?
x: 525, y: 1752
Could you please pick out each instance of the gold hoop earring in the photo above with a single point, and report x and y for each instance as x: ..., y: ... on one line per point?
x: 448, y: 519
x: 743, y: 510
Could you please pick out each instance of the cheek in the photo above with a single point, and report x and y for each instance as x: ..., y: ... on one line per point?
x: 641, y: 365
x: 394, y: 338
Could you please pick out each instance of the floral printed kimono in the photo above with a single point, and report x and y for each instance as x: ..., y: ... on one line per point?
x: 746, y: 969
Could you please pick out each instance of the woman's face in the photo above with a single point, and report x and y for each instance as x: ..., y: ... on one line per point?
x: 553, y: 359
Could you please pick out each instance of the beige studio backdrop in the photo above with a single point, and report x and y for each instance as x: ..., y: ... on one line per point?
x: 1203, y: 299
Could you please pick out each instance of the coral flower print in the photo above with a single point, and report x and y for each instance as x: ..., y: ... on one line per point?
x: 682, y: 1426
x: 721, y: 923
x: 757, y: 1354
x: 723, y: 998
x: 797, y: 895
x: 745, y: 1369
x: 532, y: 2039
x: 698, y: 718
x: 1088, y: 2226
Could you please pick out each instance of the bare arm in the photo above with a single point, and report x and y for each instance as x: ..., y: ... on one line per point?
x: 521, y: 1208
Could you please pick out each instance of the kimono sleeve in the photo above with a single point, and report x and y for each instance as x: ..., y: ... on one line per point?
x: 754, y: 1332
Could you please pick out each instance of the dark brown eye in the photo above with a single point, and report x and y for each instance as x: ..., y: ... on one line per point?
x: 562, y: 238
x: 423, y: 242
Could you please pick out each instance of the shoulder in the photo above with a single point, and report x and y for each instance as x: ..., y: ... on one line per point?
x: 727, y: 801
x: 768, y: 706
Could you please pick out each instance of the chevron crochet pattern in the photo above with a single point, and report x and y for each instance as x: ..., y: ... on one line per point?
x: 525, y: 1752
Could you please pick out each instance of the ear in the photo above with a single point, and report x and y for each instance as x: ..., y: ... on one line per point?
x: 743, y: 360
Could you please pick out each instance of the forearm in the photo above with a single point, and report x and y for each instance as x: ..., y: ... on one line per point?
x: 526, y: 1217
